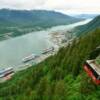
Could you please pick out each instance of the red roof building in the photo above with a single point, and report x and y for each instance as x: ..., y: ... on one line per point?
x: 93, y: 70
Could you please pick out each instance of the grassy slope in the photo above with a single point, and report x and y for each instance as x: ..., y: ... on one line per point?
x: 60, y: 77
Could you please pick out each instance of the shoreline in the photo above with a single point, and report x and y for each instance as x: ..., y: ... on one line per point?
x: 59, y: 38
x: 56, y: 39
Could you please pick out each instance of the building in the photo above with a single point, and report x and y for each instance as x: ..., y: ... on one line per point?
x: 92, y: 67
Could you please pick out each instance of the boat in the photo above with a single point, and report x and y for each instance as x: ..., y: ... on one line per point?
x: 48, y: 50
x: 29, y: 58
x: 6, y: 71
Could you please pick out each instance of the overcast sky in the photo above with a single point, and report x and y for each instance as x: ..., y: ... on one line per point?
x: 66, y: 6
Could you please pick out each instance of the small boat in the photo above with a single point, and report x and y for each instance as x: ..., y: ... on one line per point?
x: 48, y: 50
x: 6, y: 71
x: 29, y: 58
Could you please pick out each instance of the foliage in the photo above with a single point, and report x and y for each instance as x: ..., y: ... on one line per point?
x: 59, y: 77
x: 92, y: 25
x: 18, y: 22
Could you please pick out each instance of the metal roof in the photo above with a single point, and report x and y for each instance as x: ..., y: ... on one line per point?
x: 94, y: 66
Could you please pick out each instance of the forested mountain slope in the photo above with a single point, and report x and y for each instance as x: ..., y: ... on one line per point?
x: 42, y: 18
x: 60, y: 77
x: 91, y: 26
x: 19, y: 22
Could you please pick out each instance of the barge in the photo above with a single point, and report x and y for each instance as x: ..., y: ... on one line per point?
x: 29, y: 58
x: 6, y: 72
x: 48, y: 50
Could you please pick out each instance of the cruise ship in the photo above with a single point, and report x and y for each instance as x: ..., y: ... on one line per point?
x: 6, y: 71
x: 48, y: 50
x: 29, y: 58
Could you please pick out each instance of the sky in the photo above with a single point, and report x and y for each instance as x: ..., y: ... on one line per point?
x: 65, y: 6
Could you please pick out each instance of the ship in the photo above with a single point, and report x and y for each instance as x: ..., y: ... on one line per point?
x: 6, y: 72
x: 29, y: 58
x: 48, y: 50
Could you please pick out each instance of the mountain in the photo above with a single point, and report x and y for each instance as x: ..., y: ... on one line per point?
x: 19, y: 22
x: 95, y: 23
x: 60, y: 77
x: 85, y: 16
x: 36, y: 17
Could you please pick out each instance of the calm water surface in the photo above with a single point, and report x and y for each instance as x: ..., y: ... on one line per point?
x: 12, y: 51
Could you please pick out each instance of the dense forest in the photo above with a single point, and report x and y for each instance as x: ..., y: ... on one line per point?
x: 60, y: 77
x: 92, y: 25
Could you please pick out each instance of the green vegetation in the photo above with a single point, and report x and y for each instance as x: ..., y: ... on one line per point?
x: 60, y: 77
x: 98, y: 60
x: 95, y: 23
x: 18, y: 22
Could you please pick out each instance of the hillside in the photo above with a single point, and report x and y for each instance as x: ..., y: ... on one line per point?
x: 60, y: 77
x: 18, y: 22
x: 95, y: 23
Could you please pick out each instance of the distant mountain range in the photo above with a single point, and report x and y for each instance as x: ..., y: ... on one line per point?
x: 18, y: 22
x: 35, y: 18
x: 91, y: 26
x: 85, y: 16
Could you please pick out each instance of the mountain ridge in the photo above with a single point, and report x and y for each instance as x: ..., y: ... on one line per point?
x: 91, y: 26
x: 19, y: 22
x: 24, y: 15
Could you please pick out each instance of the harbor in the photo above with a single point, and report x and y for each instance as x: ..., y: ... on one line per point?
x: 7, y: 73
x: 26, y: 50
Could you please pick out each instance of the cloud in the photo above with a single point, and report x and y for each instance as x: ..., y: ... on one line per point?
x: 21, y: 4
x: 74, y: 5
x: 60, y: 5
